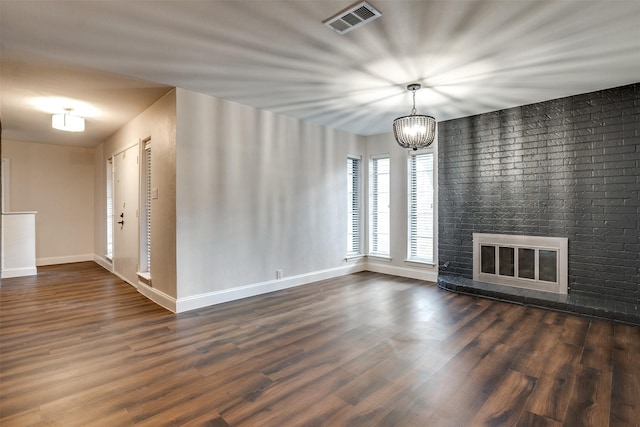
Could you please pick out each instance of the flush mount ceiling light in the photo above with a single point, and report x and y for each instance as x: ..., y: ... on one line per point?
x: 414, y: 131
x: 67, y: 121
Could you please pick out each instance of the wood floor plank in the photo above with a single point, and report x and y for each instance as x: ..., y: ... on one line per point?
x: 590, y: 401
x: 625, y: 400
x: 529, y: 419
x: 505, y: 405
x: 555, y: 383
x: 534, y: 355
x: 479, y: 385
x: 79, y: 347
x: 598, y: 347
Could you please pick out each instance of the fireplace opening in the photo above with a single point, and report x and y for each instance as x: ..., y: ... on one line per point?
x: 531, y: 262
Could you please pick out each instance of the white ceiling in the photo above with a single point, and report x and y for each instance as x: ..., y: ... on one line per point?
x: 111, y: 59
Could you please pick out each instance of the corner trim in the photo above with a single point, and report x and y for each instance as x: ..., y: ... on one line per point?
x: 157, y: 296
x: 103, y: 262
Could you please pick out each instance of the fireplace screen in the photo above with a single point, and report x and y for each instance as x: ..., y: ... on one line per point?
x: 531, y: 262
x: 547, y: 265
x: 488, y: 260
x: 506, y: 258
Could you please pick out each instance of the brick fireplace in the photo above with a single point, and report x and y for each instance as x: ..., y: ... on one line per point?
x: 566, y: 167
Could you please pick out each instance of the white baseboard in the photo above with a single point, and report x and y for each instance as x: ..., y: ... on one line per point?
x: 157, y: 296
x: 19, y: 272
x: 103, y: 262
x: 64, y: 259
x: 193, y: 302
x: 430, y: 274
x: 226, y: 295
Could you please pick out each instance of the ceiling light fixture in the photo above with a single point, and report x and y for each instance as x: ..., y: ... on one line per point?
x: 414, y: 131
x: 67, y: 121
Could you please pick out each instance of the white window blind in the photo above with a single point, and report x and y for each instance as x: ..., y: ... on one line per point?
x: 6, y: 175
x: 353, y: 206
x: 379, y: 206
x: 109, y: 209
x: 147, y: 208
x: 421, y: 202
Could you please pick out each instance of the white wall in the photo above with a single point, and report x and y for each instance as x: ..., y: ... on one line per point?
x: 57, y: 182
x: 242, y: 193
x: 256, y: 192
x: 159, y: 123
x: 386, y: 144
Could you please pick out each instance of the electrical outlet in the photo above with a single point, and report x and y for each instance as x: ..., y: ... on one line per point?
x: 279, y: 274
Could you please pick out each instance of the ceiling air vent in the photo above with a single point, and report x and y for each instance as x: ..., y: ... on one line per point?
x: 353, y: 17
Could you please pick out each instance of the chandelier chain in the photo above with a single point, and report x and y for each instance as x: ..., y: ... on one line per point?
x: 413, y: 110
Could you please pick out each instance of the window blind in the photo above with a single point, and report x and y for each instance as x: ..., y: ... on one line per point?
x: 109, y: 209
x: 147, y: 204
x: 379, y: 206
x: 421, y: 193
x: 353, y: 206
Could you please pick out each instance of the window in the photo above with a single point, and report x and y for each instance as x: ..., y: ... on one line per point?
x: 109, y: 209
x: 379, y: 202
x: 421, y: 201
x: 353, y: 206
x: 145, y: 227
x: 6, y: 173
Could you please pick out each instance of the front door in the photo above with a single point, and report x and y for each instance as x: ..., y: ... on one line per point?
x: 125, y: 214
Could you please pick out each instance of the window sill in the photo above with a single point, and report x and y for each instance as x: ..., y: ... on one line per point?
x: 352, y: 257
x: 420, y: 263
x: 380, y: 257
x: 144, y: 277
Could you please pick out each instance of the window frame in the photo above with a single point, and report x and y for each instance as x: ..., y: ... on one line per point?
x: 109, y: 209
x: 412, y: 245
x: 374, y: 211
x: 354, y: 206
x: 5, y: 171
x: 146, y: 196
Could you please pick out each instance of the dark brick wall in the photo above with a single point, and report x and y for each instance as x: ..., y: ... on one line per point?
x: 569, y: 167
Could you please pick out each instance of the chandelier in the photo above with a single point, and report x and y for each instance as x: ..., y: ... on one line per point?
x: 414, y: 131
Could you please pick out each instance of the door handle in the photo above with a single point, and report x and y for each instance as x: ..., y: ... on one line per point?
x: 121, y: 216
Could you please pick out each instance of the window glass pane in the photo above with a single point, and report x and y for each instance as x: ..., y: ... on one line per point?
x: 421, y: 202
x: 488, y: 259
x: 5, y: 184
x: 547, y: 264
x: 147, y: 210
x: 379, y: 206
x: 353, y: 206
x: 507, y: 261
x: 526, y: 263
x: 109, y: 237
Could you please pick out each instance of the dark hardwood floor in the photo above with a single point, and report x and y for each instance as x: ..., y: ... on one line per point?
x: 82, y: 348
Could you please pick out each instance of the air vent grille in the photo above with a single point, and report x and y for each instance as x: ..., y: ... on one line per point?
x: 364, y: 13
x: 353, y: 17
